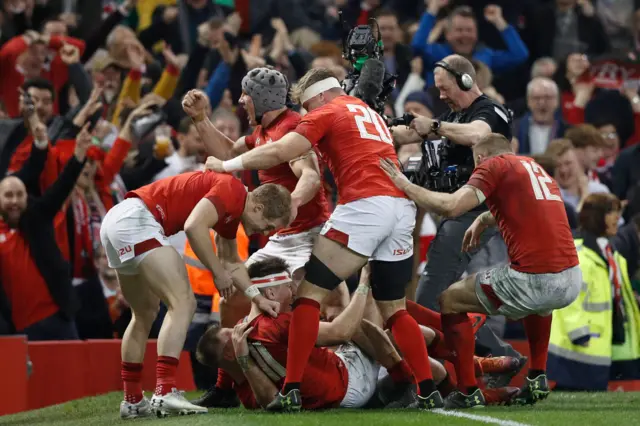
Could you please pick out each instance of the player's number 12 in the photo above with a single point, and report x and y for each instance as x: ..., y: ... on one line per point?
x: 539, y: 181
x: 370, y: 116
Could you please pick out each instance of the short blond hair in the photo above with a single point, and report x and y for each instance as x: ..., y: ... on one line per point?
x: 493, y: 144
x: 558, y: 147
x: 311, y: 77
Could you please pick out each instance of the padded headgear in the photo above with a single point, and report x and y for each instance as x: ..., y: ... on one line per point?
x: 267, y: 89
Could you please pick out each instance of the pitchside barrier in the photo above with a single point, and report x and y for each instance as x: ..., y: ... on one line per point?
x: 67, y: 370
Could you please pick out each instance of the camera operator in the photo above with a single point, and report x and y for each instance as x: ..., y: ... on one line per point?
x: 470, y: 117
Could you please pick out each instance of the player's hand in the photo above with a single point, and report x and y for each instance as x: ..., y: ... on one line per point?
x: 224, y: 284
x: 422, y: 125
x: 269, y: 307
x: 239, y: 339
x: 214, y: 164
x: 195, y: 104
x: 399, y: 179
x: 471, y: 238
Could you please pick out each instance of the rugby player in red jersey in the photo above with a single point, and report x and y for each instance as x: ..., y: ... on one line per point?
x: 264, y: 94
x: 525, y: 204
x: 134, y: 235
x: 373, y: 223
x: 323, y: 387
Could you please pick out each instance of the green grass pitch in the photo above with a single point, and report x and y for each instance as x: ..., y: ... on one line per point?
x: 560, y: 409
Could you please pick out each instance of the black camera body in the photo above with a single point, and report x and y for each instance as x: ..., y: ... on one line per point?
x: 359, y: 44
x: 432, y: 169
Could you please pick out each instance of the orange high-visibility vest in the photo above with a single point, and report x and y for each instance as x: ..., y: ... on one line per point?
x: 200, y: 278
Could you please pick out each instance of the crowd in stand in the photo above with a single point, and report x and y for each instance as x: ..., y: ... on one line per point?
x: 108, y: 78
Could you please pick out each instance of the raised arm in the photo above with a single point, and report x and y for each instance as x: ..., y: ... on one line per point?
x: 461, y: 133
x: 196, y: 104
x: 55, y: 196
x: 30, y: 172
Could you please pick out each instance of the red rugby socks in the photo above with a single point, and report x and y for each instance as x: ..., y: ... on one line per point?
x: 458, y: 333
x: 303, y: 333
x: 166, y: 368
x: 538, y: 330
x: 410, y: 340
x: 424, y: 316
x: 131, y: 373
x: 401, y: 373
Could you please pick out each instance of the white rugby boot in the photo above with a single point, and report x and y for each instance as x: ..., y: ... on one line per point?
x: 133, y: 411
x: 174, y: 403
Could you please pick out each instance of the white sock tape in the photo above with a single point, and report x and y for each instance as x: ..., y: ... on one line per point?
x: 319, y: 87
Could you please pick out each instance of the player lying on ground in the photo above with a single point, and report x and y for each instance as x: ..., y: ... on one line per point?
x: 373, y: 223
x: 264, y: 94
x: 268, y: 346
x: 544, y: 274
x: 134, y: 234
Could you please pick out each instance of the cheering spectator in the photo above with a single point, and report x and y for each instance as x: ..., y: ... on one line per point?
x: 588, y: 144
x: 190, y: 154
x: 462, y: 38
x: 34, y: 277
x: 541, y: 124
x: 397, y: 56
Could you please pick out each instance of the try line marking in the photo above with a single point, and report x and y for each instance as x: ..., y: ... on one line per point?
x: 483, y: 419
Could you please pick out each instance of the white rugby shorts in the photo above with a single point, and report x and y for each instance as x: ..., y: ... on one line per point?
x: 129, y: 232
x: 380, y: 228
x: 363, y: 376
x: 505, y: 291
x: 295, y: 249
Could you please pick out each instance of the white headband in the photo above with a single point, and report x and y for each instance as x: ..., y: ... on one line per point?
x: 268, y: 281
x: 319, y: 87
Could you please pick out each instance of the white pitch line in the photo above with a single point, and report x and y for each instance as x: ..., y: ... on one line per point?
x: 483, y: 419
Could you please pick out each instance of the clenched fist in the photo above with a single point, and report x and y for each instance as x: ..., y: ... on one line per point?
x: 195, y: 104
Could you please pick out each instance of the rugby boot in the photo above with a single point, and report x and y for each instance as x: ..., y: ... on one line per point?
x: 174, y: 403
x: 501, y: 369
x: 289, y: 403
x: 533, y: 390
x: 218, y: 398
x: 398, y: 394
x: 134, y: 411
x: 431, y: 402
x: 500, y: 396
x: 459, y: 400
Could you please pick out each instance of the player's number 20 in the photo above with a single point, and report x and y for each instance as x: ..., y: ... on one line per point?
x: 539, y: 181
x: 367, y: 115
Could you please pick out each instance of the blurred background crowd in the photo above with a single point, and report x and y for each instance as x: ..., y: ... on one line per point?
x: 568, y: 70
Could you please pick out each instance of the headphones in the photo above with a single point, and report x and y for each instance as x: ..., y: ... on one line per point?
x: 464, y: 80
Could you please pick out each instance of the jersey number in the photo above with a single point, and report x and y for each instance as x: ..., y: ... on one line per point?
x: 539, y: 180
x: 370, y: 116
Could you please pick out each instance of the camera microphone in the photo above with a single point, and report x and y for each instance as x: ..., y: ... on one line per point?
x: 371, y: 81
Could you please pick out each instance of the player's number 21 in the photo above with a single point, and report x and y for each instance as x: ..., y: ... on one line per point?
x: 539, y: 181
x: 367, y: 115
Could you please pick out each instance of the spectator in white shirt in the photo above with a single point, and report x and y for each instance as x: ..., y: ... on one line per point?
x: 190, y: 153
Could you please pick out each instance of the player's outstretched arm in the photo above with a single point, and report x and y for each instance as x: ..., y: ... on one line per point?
x: 344, y: 326
x: 264, y: 157
x: 307, y: 170
x: 228, y: 255
x: 263, y: 388
x: 204, y: 217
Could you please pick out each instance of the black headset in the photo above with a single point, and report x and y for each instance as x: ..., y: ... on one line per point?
x: 464, y: 80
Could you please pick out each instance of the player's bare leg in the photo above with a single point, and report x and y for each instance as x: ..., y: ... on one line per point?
x: 330, y: 264
x: 163, y: 271
x: 455, y: 302
x: 144, y: 309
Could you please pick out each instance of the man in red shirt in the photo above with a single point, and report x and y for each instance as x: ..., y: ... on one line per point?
x: 525, y: 203
x: 134, y: 234
x: 373, y: 223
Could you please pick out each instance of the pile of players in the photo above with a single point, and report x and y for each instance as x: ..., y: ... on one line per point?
x: 372, y: 348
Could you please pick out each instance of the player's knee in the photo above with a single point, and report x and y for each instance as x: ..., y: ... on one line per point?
x: 319, y: 274
x: 389, y: 279
x: 147, y: 316
x: 438, y: 370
